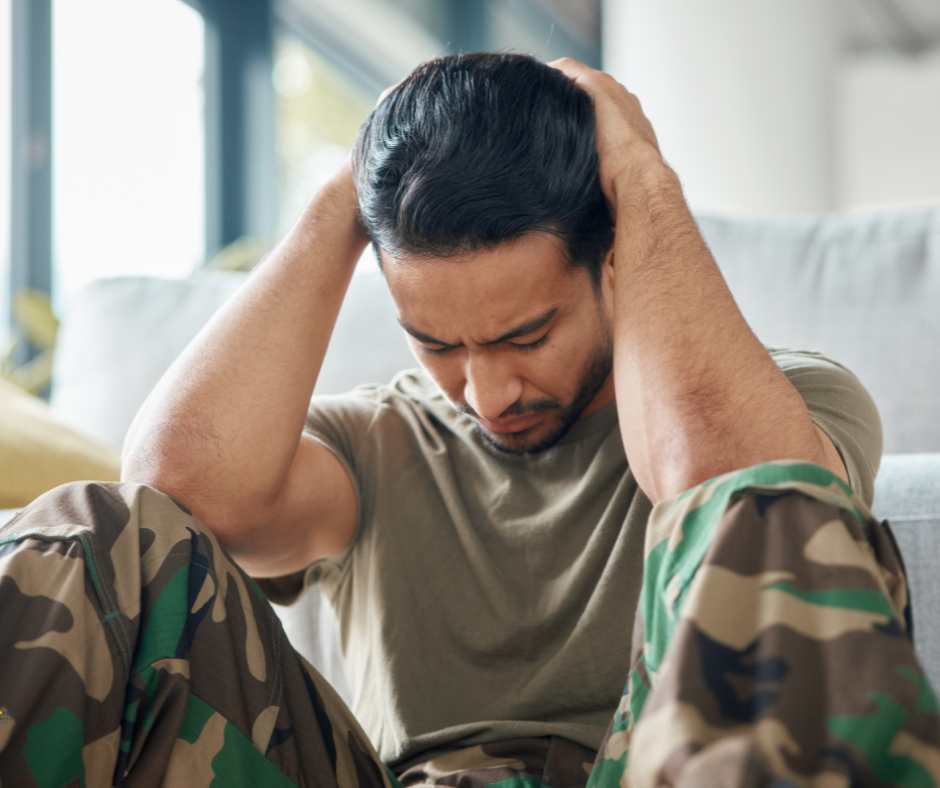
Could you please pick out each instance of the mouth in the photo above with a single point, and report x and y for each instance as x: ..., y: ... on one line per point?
x: 511, y: 425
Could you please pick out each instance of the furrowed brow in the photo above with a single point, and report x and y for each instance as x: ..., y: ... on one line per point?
x: 525, y: 328
x: 421, y: 336
x: 518, y: 331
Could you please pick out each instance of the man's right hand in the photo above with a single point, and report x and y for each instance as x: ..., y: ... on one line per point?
x: 222, y: 432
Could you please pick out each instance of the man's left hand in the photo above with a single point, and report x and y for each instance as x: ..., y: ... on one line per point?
x: 626, y: 142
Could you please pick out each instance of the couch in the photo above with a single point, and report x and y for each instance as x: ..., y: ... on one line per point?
x: 863, y: 289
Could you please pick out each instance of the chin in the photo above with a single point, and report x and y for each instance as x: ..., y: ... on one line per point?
x: 528, y: 441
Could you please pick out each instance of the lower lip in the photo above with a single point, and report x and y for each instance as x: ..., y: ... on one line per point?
x: 510, y: 425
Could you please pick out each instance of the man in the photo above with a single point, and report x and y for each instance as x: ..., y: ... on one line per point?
x: 478, y: 525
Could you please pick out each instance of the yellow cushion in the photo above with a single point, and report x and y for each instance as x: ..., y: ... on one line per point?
x: 38, y: 453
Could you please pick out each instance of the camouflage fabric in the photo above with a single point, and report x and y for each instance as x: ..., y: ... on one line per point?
x: 134, y: 652
x: 514, y: 763
x: 772, y: 645
x: 772, y: 648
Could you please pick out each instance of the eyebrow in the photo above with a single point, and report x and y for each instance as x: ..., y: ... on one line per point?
x: 518, y: 331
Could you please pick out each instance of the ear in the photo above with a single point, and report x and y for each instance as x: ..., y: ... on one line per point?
x: 607, y: 282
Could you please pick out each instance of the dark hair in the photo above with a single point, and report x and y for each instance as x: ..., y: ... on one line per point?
x: 472, y: 150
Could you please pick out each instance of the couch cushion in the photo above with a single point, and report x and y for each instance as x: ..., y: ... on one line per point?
x: 38, y: 453
x: 368, y: 345
x: 119, y: 336
x: 863, y: 289
x: 907, y: 494
x: 122, y: 334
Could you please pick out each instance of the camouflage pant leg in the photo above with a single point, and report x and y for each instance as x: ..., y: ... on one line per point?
x: 536, y: 762
x: 773, y: 645
x: 134, y: 652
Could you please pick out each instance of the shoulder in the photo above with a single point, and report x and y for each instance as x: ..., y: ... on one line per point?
x: 790, y: 359
x: 826, y: 384
x: 410, y: 403
x: 842, y: 407
x: 408, y: 390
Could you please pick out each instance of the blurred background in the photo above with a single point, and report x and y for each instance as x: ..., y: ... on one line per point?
x: 144, y: 136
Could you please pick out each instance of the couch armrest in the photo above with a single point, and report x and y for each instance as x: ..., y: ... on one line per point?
x: 907, y: 494
x: 7, y: 514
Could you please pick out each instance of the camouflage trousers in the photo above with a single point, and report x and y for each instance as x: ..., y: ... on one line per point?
x: 772, y: 647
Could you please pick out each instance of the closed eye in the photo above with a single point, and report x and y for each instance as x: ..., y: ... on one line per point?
x: 529, y: 346
x: 440, y: 350
x: 436, y: 351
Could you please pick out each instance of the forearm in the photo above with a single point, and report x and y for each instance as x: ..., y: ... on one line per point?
x: 221, y: 429
x: 697, y: 393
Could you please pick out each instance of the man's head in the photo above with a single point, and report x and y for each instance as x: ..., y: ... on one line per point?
x: 473, y: 150
x: 477, y: 183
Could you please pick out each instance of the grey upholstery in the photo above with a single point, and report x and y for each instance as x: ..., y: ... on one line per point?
x: 368, y: 345
x: 907, y: 493
x: 864, y: 290
x: 118, y: 338
x: 122, y: 334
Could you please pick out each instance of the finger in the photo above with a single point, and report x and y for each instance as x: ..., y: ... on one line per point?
x: 571, y: 68
x: 385, y: 93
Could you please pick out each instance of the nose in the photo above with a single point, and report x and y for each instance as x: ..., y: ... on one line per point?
x: 491, y: 385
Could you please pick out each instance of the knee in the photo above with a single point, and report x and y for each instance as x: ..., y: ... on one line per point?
x: 77, y: 506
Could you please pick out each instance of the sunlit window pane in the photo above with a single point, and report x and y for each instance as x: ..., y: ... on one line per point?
x: 128, y: 140
x: 318, y: 115
x: 4, y: 173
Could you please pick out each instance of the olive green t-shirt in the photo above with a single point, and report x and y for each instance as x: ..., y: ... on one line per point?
x: 491, y: 596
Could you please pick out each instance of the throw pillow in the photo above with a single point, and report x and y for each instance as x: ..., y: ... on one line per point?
x: 38, y: 453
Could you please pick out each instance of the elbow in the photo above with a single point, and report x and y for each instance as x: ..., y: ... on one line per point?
x: 151, y: 458
x: 672, y: 478
x: 163, y: 472
x: 669, y: 474
x: 192, y: 482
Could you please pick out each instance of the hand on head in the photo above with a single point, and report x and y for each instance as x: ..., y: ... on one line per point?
x: 625, y: 137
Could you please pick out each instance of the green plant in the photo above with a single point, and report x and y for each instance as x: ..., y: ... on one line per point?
x: 35, y: 325
x: 241, y: 255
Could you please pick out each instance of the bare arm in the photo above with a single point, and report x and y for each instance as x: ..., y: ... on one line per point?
x: 222, y: 431
x: 698, y: 395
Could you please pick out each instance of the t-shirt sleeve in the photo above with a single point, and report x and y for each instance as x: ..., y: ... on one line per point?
x: 340, y: 424
x: 839, y: 404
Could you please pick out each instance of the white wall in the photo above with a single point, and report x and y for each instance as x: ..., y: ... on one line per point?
x: 127, y: 143
x: 889, y: 128
x: 740, y: 94
x: 761, y: 107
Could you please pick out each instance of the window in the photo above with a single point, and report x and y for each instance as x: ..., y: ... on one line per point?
x: 4, y: 173
x: 128, y: 141
x: 318, y: 115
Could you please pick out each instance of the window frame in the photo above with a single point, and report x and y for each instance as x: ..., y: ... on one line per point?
x: 240, y: 154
